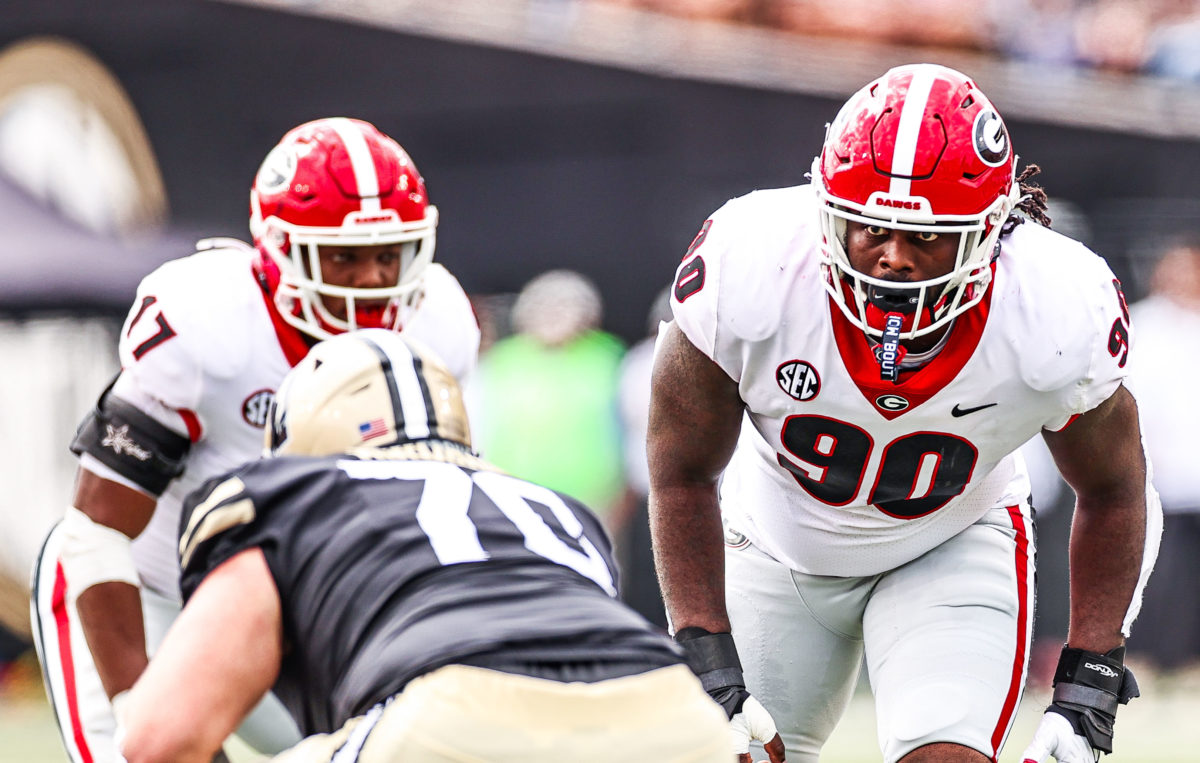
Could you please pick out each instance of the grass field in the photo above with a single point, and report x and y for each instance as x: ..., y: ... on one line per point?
x: 1158, y: 728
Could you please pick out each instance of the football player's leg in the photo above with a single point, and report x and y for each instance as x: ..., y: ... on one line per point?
x: 799, y: 638
x: 73, y: 686
x: 344, y: 744
x: 460, y: 713
x: 947, y: 640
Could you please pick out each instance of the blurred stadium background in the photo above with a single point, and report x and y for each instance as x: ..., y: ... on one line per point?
x: 594, y: 135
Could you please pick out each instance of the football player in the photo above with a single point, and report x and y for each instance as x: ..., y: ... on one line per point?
x: 406, y: 600
x: 860, y: 357
x: 343, y: 236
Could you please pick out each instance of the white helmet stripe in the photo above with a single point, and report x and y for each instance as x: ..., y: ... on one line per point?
x: 361, y: 162
x: 408, y: 397
x: 909, y: 131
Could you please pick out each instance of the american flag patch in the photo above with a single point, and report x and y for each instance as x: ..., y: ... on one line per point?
x: 372, y: 428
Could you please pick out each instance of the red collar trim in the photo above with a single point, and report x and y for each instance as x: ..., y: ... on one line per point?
x: 293, y: 343
x: 915, y: 387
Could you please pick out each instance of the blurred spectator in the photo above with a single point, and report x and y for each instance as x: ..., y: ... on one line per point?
x: 1174, y: 46
x: 956, y: 23
x: 1163, y: 377
x: 735, y: 11
x: 1152, y: 36
x: 549, y: 393
x: 1036, y: 31
x: 1114, y: 34
x: 640, y: 588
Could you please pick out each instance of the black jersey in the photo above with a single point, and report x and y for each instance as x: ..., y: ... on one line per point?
x: 390, y: 567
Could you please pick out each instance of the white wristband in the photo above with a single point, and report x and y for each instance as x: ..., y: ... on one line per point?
x: 93, y: 553
x: 118, y: 707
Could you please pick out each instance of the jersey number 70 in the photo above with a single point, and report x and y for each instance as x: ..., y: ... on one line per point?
x: 446, y: 497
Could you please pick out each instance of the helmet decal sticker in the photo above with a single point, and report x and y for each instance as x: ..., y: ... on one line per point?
x: 277, y: 169
x: 991, y: 139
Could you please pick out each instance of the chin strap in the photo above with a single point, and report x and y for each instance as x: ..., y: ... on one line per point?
x: 890, y: 352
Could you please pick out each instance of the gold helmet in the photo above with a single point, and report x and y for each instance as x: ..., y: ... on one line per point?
x: 370, y: 388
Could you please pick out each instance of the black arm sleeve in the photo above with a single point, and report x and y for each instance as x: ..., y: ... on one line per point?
x: 131, y: 443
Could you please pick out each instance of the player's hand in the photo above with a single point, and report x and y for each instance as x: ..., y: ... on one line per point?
x: 713, y: 657
x: 1077, y: 727
x: 754, y: 723
x: 1055, y: 736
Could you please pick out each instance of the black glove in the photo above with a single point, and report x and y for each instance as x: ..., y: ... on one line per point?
x: 1088, y: 686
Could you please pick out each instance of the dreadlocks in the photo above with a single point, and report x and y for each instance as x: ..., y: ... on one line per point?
x: 1032, y: 204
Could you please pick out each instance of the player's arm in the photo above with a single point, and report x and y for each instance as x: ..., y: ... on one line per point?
x: 1100, y: 456
x: 217, y: 661
x: 695, y: 417
x: 127, y: 460
x: 110, y: 612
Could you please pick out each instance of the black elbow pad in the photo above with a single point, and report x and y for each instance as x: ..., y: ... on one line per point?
x: 131, y: 443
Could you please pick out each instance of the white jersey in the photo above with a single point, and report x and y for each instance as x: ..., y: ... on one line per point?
x: 837, y: 472
x: 200, y: 352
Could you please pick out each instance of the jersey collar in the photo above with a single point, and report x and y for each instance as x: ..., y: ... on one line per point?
x: 918, y: 385
x: 292, y: 341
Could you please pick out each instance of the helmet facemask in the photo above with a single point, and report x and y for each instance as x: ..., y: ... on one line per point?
x: 339, y: 182
x: 928, y: 305
x: 300, y: 296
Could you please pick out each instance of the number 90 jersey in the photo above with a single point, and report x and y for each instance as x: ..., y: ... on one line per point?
x: 838, y: 472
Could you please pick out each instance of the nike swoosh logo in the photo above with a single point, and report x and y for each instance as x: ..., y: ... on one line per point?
x: 956, y: 411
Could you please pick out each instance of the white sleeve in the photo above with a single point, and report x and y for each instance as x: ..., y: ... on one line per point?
x: 1106, y: 333
x: 446, y: 323
x: 696, y: 294
x: 155, y: 358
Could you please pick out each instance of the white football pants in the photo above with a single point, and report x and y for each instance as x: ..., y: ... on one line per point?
x: 80, y: 704
x: 946, y: 639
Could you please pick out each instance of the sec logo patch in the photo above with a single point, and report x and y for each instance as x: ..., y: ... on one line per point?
x: 798, y: 379
x: 257, y: 407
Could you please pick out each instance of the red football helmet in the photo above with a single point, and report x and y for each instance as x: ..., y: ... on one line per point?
x: 340, y: 182
x: 922, y: 149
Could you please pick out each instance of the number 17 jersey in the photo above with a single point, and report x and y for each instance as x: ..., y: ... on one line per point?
x: 838, y: 472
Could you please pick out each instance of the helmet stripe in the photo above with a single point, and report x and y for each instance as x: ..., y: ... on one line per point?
x: 361, y: 162
x: 427, y: 397
x: 410, y: 383
x: 909, y: 131
x: 385, y: 365
x: 406, y: 385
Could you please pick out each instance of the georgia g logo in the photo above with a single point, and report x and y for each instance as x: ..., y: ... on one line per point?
x: 990, y: 138
x: 798, y: 379
x: 277, y: 170
x: 891, y: 402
